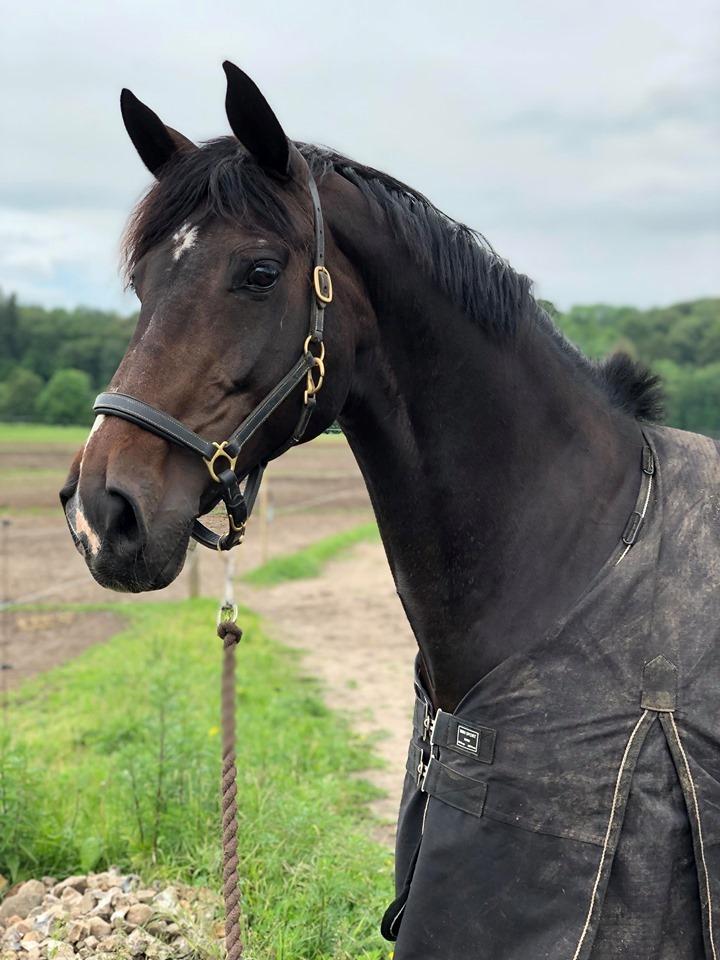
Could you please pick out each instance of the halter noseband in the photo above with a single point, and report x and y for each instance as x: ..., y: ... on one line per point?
x: 221, y: 458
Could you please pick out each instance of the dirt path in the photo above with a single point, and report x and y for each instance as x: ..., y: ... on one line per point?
x: 34, y: 641
x: 355, y: 638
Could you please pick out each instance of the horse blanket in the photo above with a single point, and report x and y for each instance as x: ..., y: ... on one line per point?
x: 569, y: 808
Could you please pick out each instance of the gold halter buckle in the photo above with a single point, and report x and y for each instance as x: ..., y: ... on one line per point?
x: 322, y: 282
x: 313, y: 385
x: 220, y: 451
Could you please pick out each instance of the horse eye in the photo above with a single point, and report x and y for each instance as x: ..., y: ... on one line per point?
x: 262, y: 276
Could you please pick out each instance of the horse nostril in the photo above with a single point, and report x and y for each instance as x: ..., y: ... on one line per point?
x: 67, y: 492
x: 121, y: 517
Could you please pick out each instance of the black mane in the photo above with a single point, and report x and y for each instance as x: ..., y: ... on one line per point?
x: 221, y: 180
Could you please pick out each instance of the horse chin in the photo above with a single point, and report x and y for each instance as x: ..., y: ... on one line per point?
x: 142, y: 573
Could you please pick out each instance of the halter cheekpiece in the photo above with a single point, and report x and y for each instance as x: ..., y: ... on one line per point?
x: 221, y: 457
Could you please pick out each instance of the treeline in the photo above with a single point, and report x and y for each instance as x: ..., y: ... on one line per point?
x: 681, y: 343
x: 53, y: 362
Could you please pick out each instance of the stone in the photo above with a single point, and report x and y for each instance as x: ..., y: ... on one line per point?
x: 138, y: 942
x: 57, y: 950
x: 129, y: 882
x: 99, y: 927
x: 83, y: 906
x: 77, y: 930
x: 70, y: 897
x: 44, y: 919
x: 158, y: 951
x: 111, y: 943
x: 145, y: 895
x: 117, y: 918
x: 139, y: 914
x: 12, y: 939
x: 31, y: 937
x: 21, y: 903
x: 77, y: 883
x: 167, y: 898
x: 103, y: 908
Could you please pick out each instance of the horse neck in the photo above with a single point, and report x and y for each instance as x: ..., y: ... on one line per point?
x: 500, y: 474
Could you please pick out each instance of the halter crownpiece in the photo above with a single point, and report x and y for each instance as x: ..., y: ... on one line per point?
x: 221, y: 457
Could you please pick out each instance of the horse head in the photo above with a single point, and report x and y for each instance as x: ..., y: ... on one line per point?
x: 220, y: 255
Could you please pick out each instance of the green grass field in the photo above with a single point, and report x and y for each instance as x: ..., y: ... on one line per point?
x: 20, y: 434
x: 34, y: 434
x: 114, y: 758
x: 310, y: 561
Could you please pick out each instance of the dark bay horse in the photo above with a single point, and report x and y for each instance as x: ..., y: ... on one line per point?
x: 543, y: 533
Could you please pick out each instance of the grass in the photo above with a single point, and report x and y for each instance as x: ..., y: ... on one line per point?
x: 114, y: 758
x: 22, y: 434
x: 310, y: 561
x: 10, y: 474
x: 33, y: 434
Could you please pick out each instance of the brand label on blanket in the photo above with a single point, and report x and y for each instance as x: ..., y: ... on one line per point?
x: 468, y: 739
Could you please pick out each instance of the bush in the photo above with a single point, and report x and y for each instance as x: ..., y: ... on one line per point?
x: 67, y: 398
x: 19, y: 393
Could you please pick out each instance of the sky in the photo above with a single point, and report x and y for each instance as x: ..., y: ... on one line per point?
x: 582, y: 139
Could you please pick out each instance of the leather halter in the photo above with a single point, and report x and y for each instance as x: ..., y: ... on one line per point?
x: 221, y: 458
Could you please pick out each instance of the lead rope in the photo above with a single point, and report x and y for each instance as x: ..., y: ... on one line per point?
x: 230, y: 634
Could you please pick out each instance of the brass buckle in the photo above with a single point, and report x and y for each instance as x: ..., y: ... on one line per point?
x: 234, y: 529
x: 227, y: 613
x: 220, y: 451
x: 312, y: 386
x: 237, y: 529
x: 322, y: 281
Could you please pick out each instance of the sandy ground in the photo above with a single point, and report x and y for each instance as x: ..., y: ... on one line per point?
x: 348, y: 623
x: 352, y: 630
x: 37, y: 640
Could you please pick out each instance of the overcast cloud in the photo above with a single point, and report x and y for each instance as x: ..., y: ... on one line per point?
x: 580, y: 138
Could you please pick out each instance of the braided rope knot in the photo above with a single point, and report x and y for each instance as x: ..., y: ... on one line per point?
x: 229, y: 631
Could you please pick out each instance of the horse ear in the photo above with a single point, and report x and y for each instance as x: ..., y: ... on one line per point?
x: 156, y: 143
x: 254, y: 123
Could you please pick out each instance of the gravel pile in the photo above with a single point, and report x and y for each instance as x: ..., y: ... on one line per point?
x: 109, y: 915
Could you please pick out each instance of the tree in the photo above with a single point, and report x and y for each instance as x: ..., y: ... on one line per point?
x: 67, y: 398
x: 19, y: 393
x: 9, y: 332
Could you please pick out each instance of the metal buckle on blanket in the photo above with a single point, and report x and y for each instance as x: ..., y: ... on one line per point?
x: 424, y: 767
x: 426, y: 722
x: 424, y: 775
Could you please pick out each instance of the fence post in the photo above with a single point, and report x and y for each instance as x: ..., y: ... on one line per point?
x: 264, y: 520
x: 193, y: 571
